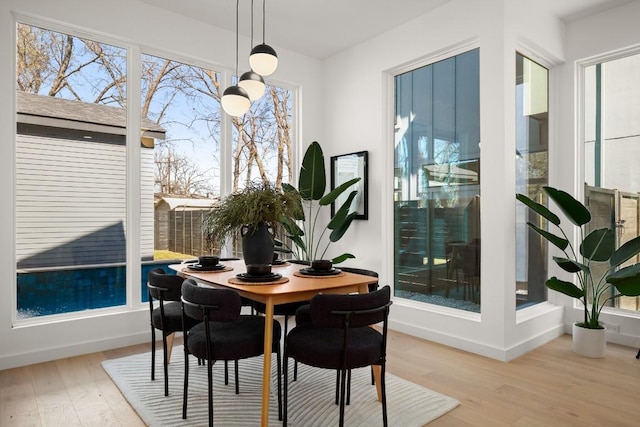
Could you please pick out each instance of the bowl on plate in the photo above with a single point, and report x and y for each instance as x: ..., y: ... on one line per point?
x: 208, y: 260
x: 321, y: 264
x: 258, y: 269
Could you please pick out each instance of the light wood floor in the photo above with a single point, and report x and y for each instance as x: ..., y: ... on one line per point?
x: 549, y: 386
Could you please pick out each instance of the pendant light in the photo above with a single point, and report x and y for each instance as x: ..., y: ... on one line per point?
x: 250, y: 81
x: 263, y: 58
x: 235, y: 100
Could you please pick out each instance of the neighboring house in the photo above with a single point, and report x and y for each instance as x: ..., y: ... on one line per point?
x: 178, y: 224
x: 90, y: 137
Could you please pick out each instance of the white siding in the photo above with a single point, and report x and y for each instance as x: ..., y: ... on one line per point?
x: 146, y: 203
x: 70, y: 202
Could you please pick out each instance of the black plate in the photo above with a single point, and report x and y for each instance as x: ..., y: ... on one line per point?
x: 264, y: 278
x: 198, y: 267
x: 313, y: 272
x: 279, y: 262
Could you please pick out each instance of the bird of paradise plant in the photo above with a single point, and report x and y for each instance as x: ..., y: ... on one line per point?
x: 598, y: 246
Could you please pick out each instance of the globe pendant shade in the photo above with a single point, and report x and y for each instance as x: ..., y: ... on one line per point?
x: 263, y: 60
x: 253, y: 83
x: 235, y: 101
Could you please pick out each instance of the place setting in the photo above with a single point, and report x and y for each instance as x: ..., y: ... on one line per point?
x: 207, y: 263
x: 319, y: 268
x: 277, y: 262
x: 258, y: 274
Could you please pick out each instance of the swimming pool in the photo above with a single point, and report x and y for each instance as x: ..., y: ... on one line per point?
x: 69, y: 289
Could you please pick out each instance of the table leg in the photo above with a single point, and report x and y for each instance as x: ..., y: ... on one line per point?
x: 266, y: 368
x: 170, y: 346
x: 377, y: 376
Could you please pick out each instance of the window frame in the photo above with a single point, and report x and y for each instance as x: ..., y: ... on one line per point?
x: 134, y: 51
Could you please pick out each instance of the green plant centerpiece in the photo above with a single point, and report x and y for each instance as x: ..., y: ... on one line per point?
x: 255, y: 210
x: 596, y: 247
x: 310, y: 241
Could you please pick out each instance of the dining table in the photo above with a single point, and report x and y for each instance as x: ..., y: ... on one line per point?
x: 291, y: 282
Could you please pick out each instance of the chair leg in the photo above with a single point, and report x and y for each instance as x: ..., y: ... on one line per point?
x: 638, y: 355
x: 383, y: 390
x: 235, y: 369
x: 295, y: 362
x: 337, y: 386
x: 285, y: 396
x: 153, y: 353
x: 210, y: 391
x: 343, y: 380
x: 226, y: 372
x: 186, y: 382
x: 165, y: 363
x: 349, y: 387
x: 279, y: 364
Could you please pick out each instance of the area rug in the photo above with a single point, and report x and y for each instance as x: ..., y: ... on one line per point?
x: 311, y: 397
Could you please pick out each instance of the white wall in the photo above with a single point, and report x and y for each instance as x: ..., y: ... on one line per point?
x: 121, y: 22
x: 358, y: 100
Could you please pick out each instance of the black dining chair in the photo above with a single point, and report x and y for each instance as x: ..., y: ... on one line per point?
x: 222, y: 334
x: 302, y: 316
x: 166, y: 317
x: 340, y: 336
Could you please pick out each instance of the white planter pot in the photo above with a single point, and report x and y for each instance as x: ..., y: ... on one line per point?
x: 589, y: 342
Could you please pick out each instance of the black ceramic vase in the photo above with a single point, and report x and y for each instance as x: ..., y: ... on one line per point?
x: 257, y: 244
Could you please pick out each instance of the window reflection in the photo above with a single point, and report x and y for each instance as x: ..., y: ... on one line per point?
x: 437, y: 183
x: 532, y: 166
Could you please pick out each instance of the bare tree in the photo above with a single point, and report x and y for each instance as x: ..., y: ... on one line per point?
x: 62, y: 65
x: 177, y: 175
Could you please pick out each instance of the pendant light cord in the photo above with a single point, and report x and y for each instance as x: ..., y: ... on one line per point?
x: 264, y: 11
x: 237, y: 43
x: 251, y: 45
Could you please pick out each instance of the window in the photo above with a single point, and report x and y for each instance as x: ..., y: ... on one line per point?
x: 437, y: 183
x: 532, y: 172
x: 70, y: 173
x: 72, y: 166
x: 180, y: 167
x: 611, y: 141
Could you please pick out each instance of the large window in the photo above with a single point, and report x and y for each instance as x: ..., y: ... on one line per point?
x: 70, y: 173
x: 73, y: 169
x: 611, y: 151
x: 532, y: 171
x: 437, y: 183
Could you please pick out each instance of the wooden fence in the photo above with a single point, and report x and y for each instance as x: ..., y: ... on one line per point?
x: 181, y: 231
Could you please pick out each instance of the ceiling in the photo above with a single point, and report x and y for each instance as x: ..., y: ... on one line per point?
x: 321, y: 28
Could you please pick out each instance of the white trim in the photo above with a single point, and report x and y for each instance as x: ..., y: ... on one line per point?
x: 133, y: 197
x: 436, y: 56
x: 70, y: 29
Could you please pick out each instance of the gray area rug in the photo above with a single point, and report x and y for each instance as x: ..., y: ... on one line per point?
x: 311, y: 397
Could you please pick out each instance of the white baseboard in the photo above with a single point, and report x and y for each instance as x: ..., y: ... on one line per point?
x: 54, y: 353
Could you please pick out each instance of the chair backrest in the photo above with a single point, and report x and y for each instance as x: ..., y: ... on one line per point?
x: 218, y: 305
x: 330, y: 311
x: 471, y: 259
x: 165, y: 286
x: 364, y: 272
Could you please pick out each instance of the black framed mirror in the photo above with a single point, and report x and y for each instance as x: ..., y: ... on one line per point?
x: 343, y: 168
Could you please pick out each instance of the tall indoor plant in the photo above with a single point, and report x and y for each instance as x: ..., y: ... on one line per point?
x: 255, y: 213
x: 593, y: 290
x: 309, y: 239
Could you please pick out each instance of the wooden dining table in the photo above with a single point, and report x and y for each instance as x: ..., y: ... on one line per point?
x: 296, y: 288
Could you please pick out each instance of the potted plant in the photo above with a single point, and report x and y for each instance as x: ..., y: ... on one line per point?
x: 254, y: 212
x: 311, y: 242
x: 594, y: 290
